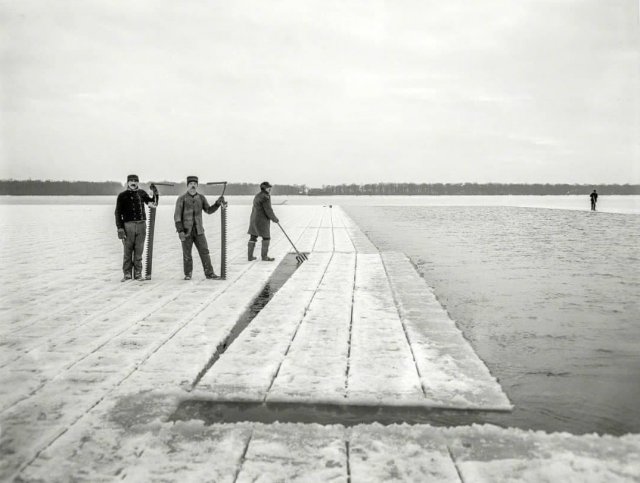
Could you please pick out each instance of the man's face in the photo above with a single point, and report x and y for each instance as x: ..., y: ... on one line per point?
x: 268, y: 189
x: 132, y: 185
x: 192, y: 187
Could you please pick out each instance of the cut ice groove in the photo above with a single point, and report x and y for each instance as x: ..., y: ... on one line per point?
x: 220, y: 412
x: 280, y: 275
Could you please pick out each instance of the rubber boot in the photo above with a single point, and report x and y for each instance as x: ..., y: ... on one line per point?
x: 250, y: 246
x: 265, y: 251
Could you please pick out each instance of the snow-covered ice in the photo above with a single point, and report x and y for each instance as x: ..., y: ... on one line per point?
x: 451, y: 373
x: 92, y: 369
x: 316, y: 363
x: 382, y: 369
x: 352, y: 328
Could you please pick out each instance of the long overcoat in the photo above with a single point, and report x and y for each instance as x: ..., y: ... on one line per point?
x: 261, y: 216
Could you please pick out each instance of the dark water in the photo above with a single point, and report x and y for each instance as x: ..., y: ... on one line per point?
x: 549, y: 299
x: 347, y: 415
x: 280, y: 275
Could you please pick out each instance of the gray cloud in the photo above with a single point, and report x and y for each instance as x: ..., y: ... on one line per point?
x: 322, y: 92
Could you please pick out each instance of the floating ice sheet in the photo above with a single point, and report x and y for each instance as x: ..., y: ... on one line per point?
x: 129, y: 439
x: 451, y: 373
x: 354, y: 329
x: 247, y: 369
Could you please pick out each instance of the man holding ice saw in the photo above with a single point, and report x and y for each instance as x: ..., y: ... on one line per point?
x: 188, y: 220
x: 131, y: 225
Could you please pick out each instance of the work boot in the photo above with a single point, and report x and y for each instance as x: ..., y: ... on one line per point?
x: 265, y: 251
x: 250, y: 246
x: 213, y: 276
x: 187, y: 277
x: 126, y: 277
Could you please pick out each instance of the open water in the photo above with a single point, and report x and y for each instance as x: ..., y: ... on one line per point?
x: 549, y: 299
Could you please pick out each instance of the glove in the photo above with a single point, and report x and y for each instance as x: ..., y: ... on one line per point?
x: 220, y: 200
x: 182, y: 236
x: 276, y: 220
x: 153, y: 188
x: 121, y: 234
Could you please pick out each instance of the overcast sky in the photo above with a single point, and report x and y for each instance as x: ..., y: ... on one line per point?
x: 321, y: 92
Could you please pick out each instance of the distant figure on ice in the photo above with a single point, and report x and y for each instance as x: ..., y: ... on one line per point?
x: 188, y: 220
x: 132, y: 228
x: 260, y: 225
x: 594, y: 200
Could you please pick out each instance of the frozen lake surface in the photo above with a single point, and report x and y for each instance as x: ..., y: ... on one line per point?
x: 606, y: 204
x: 548, y: 298
x: 93, y: 369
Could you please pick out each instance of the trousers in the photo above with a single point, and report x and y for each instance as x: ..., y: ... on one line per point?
x: 136, y: 232
x: 200, y: 241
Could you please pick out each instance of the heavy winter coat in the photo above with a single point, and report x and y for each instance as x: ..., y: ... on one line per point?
x: 261, y: 215
x: 130, y: 206
x: 189, y: 212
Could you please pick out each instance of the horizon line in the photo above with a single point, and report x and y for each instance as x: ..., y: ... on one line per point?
x: 336, y: 184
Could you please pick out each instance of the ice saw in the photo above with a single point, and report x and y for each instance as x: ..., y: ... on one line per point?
x: 151, y: 223
x: 223, y: 231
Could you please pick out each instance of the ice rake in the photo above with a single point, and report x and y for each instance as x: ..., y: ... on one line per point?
x: 300, y: 257
x: 223, y: 232
x: 150, y: 230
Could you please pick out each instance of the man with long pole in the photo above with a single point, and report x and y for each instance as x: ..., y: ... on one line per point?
x: 188, y: 220
x: 223, y: 230
x: 260, y: 224
x: 131, y: 224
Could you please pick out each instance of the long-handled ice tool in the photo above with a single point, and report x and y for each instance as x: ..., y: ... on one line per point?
x: 151, y: 223
x: 300, y: 257
x: 223, y: 232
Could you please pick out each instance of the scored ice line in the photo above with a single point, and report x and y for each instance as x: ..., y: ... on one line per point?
x: 333, y: 233
x: 298, y: 327
x: 189, y: 318
x: 243, y: 458
x: 404, y: 327
x: 158, y: 306
x: 353, y: 295
x: 455, y: 464
x: 84, y: 321
x: 315, y: 241
x: 224, y: 344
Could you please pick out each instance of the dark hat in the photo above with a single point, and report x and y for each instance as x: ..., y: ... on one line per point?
x: 265, y: 184
x: 192, y: 178
x: 132, y: 177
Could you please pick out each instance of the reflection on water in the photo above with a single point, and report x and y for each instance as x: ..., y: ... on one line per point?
x: 548, y: 298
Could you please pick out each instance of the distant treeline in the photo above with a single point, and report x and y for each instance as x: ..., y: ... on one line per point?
x: 30, y: 187
x: 436, y: 189
x: 232, y: 189
x: 37, y: 187
x: 61, y: 188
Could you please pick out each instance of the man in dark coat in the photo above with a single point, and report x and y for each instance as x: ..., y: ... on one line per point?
x: 188, y: 220
x: 132, y: 228
x: 594, y: 200
x: 260, y: 226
